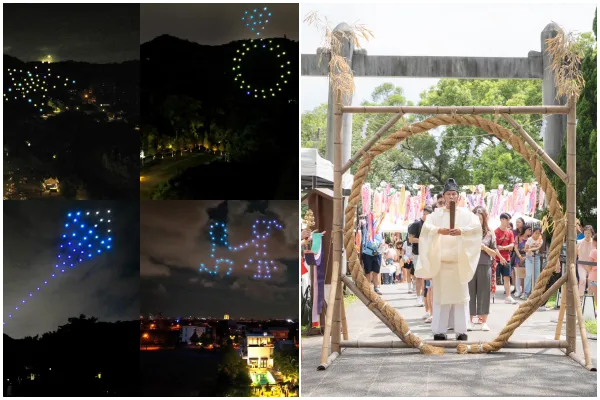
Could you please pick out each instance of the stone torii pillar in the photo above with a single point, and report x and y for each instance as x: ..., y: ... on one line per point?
x: 347, y: 51
x: 556, y: 124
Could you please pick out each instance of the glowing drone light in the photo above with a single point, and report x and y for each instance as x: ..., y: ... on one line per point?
x: 285, y: 67
x: 218, y: 234
x: 256, y: 17
x: 31, y: 81
x: 65, y: 244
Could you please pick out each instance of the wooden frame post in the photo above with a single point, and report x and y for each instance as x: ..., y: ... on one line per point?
x: 580, y: 320
x: 561, y: 312
x: 333, y: 330
x: 571, y: 210
x: 335, y: 319
x: 338, y: 215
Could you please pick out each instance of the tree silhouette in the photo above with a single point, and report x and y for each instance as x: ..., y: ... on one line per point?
x: 67, y: 361
x: 233, y: 379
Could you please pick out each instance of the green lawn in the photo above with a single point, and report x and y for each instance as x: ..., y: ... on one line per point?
x: 349, y: 299
x: 551, y: 301
x: 590, y: 326
x: 303, y: 330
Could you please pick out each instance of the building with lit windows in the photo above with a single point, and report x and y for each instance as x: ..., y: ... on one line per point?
x: 89, y: 97
x: 258, y: 350
x: 279, y: 333
x: 187, y: 332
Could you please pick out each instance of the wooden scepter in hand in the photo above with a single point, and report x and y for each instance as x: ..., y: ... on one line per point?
x: 452, y: 214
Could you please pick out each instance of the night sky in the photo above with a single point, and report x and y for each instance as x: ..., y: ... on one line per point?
x: 214, y: 24
x: 175, y: 241
x: 105, y: 286
x: 96, y: 33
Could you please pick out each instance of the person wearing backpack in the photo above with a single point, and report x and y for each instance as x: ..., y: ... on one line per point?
x: 371, y: 258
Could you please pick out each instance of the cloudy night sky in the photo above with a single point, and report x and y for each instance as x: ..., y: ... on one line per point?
x: 175, y: 240
x: 214, y: 24
x: 105, y: 286
x: 96, y: 33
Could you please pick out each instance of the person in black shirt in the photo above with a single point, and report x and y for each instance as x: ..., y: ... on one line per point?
x: 414, y: 231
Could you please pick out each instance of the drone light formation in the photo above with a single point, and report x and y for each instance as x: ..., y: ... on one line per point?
x: 75, y: 247
x: 263, y: 266
x: 269, y: 49
x: 34, y: 87
x: 256, y: 19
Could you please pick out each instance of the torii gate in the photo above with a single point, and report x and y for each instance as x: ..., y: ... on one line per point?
x: 535, y: 66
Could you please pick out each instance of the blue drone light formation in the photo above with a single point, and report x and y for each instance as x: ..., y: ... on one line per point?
x: 85, y: 235
x: 261, y: 231
x: 255, y: 20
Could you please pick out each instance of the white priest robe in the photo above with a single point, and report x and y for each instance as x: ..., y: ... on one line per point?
x: 450, y: 262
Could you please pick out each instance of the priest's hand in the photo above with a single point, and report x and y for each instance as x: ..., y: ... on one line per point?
x: 444, y: 231
x: 455, y: 232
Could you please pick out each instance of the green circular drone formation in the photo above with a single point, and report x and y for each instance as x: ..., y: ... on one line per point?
x: 278, y: 82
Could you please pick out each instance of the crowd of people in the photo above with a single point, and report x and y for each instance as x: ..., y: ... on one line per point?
x: 510, y: 257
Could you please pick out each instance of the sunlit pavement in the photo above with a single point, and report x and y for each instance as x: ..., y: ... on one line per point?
x: 406, y: 372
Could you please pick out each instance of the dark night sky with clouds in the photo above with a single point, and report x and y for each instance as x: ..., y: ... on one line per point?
x: 106, y: 286
x: 97, y: 33
x: 214, y: 24
x: 175, y: 241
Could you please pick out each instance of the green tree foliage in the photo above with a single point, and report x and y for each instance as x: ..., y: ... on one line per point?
x: 233, y: 379
x: 205, y: 339
x: 194, y: 338
x: 463, y: 152
x: 314, y: 129
x: 287, y: 363
x: 587, y: 199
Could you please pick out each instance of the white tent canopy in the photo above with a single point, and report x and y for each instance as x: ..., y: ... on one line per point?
x: 312, y: 165
x: 388, y: 227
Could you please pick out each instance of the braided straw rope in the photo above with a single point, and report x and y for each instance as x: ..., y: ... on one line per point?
x: 395, y: 320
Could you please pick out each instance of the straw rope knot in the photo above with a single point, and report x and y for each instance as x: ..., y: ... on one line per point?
x: 393, y: 317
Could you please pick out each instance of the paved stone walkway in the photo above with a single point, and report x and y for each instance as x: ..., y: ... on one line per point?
x: 406, y: 372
